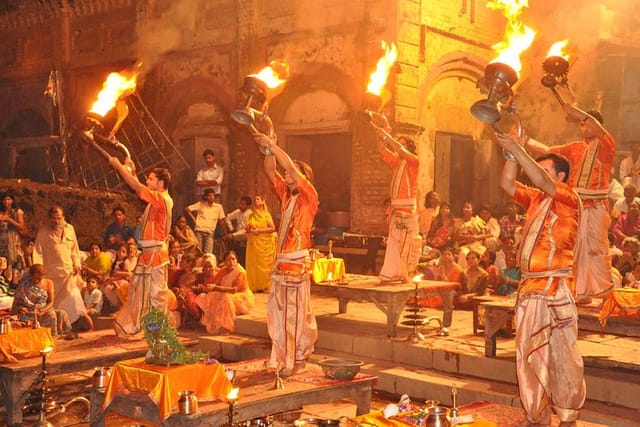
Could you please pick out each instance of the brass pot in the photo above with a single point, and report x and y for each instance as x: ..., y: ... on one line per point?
x: 437, y: 416
x: 101, y: 376
x: 188, y: 403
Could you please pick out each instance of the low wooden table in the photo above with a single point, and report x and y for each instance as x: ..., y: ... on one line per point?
x: 497, y: 316
x: 91, y: 349
x: 257, y: 397
x: 391, y: 299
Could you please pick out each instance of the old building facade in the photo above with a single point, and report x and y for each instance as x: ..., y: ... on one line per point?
x: 195, y: 54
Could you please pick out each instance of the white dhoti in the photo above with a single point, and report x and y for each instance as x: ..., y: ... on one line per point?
x: 148, y: 289
x: 592, y: 263
x: 290, y: 322
x: 403, y: 246
x: 67, y: 296
x: 549, y: 366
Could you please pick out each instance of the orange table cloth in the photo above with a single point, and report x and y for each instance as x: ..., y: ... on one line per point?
x: 322, y: 267
x: 25, y: 342
x: 621, y: 302
x: 164, y: 383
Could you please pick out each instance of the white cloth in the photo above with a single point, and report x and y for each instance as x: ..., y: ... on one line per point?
x: 240, y: 218
x: 630, y: 172
x: 58, y: 251
x: 621, y: 206
x: 207, y: 216
x: 215, y: 173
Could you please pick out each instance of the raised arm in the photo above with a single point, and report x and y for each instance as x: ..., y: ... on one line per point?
x: 276, y: 154
x: 127, y: 172
x: 538, y: 176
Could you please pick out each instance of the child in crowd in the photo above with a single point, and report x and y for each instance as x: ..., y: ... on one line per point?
x: 92, y: 298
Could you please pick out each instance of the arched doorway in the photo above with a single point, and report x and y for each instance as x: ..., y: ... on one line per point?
x: 315, y: 128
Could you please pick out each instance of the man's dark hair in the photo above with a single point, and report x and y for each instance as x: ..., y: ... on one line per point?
x: 560, y: 163
x: 54, y: 209
x: 163, y: 175
x: 208, y: 191
x: 246, y: 199
x: 305, y: 169
x: 409, y: 144
x: 118, y: 209
x: 208, y: 152
x: 596, y: 115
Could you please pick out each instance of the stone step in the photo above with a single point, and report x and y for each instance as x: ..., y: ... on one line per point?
x: 422, y: 384
x: 607, y: 381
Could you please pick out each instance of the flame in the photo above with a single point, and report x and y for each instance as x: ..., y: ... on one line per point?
x: 559, y: 49
x: 233, y: 394
x: 378, y: 78
x: 417, y: 278
x: 273, y: 75
x: 114, y: 87
x: 518, y: 37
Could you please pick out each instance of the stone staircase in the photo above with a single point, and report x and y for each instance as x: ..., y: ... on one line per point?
x: 427, y: 370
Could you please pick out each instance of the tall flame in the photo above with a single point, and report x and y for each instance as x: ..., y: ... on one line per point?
x: 115, y: 86
x: 559, y: 49
x: 273, y: 75
x: 378, y: 78
x: 518, y: 37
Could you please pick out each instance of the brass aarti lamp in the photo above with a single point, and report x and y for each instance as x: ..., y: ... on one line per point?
x: 498, y: 83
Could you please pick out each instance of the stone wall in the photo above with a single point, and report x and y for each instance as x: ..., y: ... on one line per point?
x: 89, y: 211
x: 195, y: 54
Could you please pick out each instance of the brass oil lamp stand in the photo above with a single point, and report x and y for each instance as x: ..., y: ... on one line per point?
x: 414, y: 318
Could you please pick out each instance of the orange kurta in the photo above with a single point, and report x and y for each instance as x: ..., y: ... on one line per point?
x: 591, y: 165
x: 290, y: 321
x: 295, y: 233
x: 549, y: 236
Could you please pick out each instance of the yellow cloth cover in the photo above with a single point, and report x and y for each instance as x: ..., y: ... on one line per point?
x: 164, y: 383
x: 25, y: 342
x: 620, y: 302
x: 323, y: 266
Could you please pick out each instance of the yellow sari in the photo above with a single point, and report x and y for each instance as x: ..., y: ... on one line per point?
x: 261, y: 250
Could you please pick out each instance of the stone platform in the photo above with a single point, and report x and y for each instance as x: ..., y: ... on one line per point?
x: 428, y: 369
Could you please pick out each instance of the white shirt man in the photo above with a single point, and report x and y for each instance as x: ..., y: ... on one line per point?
x: 211, y: 176
x: 208, y: 213
x: 630, y: 167
x: 237, y: 234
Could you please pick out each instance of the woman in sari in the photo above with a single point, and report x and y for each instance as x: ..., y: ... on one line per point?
x: 12, y: 227
x: 441, y: 232
x: 228, y: 297
x: 261, y: 246
x: 186, y: 236
x: 34, y: 299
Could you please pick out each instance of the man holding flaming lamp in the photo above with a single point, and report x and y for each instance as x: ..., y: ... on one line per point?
x: 549, y: 365
x: 591, y: 163
x: 403, y: 241
x: 290, y: 322
x: 148, y: 287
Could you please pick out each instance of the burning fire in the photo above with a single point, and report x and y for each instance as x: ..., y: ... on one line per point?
x: 378, y: 78
x: 559, y: 49
x: 518, y: 37
x: 233, y: 394
x: 274, y: 75
x: 114, y: 87
x: 417, y: 279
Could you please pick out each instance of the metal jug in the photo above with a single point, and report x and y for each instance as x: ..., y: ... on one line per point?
x: 5, y: 326
x: 188, y: 403
x: 437, y: 416
x: 101, y: 377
